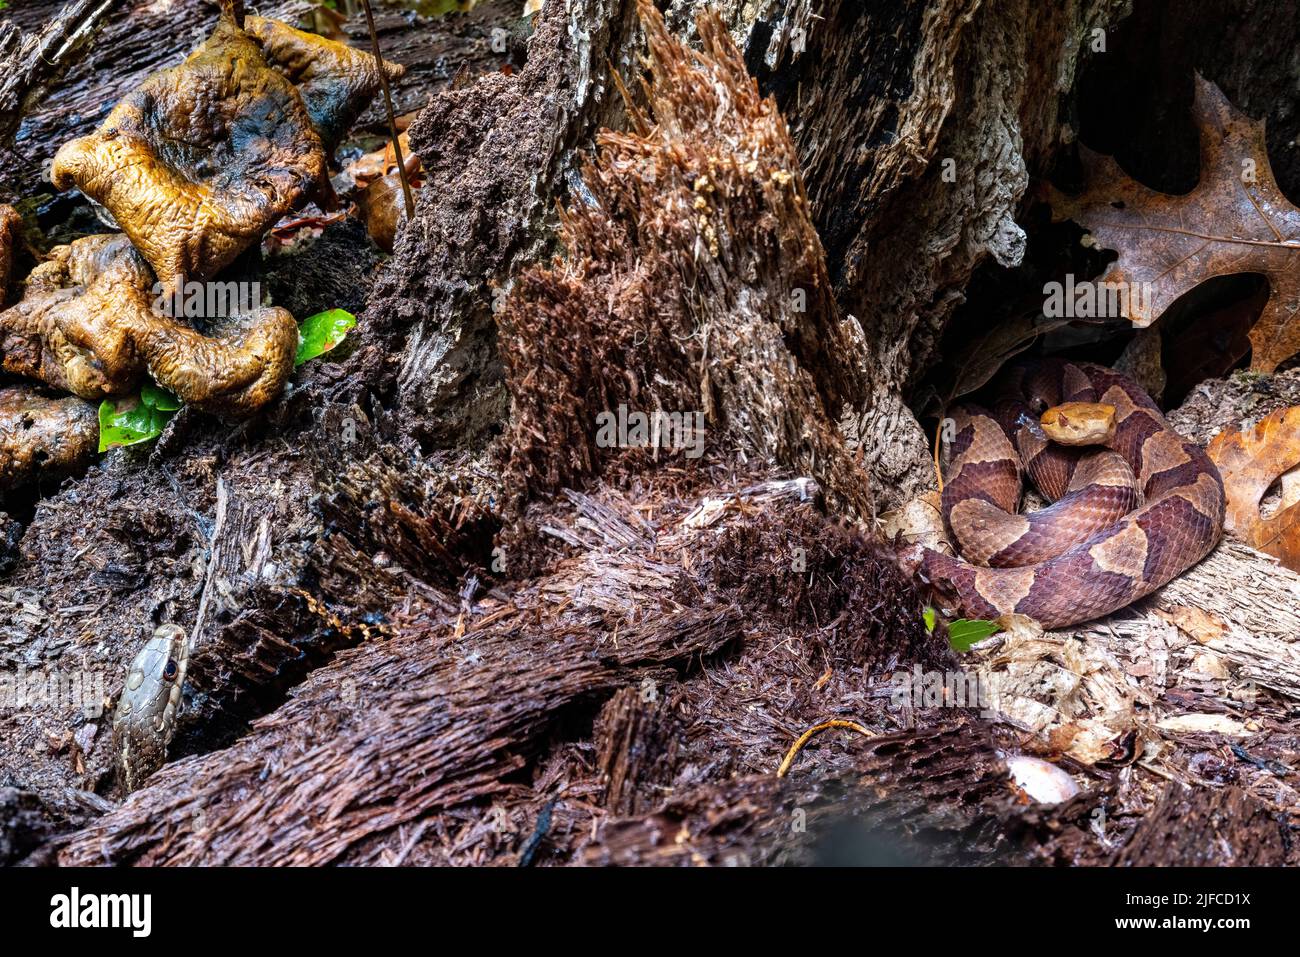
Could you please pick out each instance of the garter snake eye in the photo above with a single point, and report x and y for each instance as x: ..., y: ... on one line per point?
x: 145, y: 719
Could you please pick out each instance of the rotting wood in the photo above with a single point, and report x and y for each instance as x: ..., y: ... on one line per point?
x: 933, y: 796
x: 636, y: 736
x: 641, y: 311
x: 443, y: 714
x: 109, y: 556
x: 30, y: 64
x: 1203, y: 827
x: 401, y: 729
x: 497, y: 153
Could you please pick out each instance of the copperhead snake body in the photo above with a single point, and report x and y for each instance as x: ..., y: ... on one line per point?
x: 1129, y: 514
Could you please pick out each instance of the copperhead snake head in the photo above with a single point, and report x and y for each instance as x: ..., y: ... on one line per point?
x: 1130, y: 512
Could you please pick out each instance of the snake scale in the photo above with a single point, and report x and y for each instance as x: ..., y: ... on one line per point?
x: 146, y: 712
x: 1132, y: 510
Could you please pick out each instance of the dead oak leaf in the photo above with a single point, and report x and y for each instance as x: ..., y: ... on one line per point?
x: 1204, y: 626
x: 1250, y: 462
x: 1235, y: 221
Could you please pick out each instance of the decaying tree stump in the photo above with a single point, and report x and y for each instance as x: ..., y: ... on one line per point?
x: 497, y: 154
x: 642, y: 311
x: 974, y: 84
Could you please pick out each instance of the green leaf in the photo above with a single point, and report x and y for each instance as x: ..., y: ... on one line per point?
x: 931, y: 618
x: 965, y: 632
x: 320, y: 333
x: 136, y: 418
x: 158, y: 397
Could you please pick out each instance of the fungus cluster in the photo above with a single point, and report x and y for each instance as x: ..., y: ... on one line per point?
x: 37, y: 434
x: 88, y: 325
x: 201, y: 159
x: 194, y: 166
x: 43, y: 436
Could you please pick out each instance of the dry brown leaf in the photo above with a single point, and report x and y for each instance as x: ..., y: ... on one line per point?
x: 1211, y: 665
x: 1074, y: 695
x: 918, y: 521
x: 1236, y: 220
x: 1250, y: 462
x: 1204, y: 626
x: 980, y: 361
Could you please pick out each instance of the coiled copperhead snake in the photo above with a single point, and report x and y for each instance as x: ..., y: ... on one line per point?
x: 1135, y: 504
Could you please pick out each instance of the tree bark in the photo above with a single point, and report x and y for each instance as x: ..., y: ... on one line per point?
x: 31, y: 64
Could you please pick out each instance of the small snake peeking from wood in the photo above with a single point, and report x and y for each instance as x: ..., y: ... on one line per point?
x: 150, y: 704
x: 1135, y: 504
x: 145, y: 719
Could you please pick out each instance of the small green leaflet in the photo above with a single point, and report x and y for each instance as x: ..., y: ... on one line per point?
x: 965, y: 632
x: 320, y: 333
x: 140, y: 418
x: 136, y: 418
x: 931, y: 618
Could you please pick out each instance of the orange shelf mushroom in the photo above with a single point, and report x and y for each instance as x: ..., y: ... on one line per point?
x: 40, y: 436
x: 335, y: 81
x: 87, y: 324
x: 200, y: 160
x: 194, y: 166
x: 11, y: 225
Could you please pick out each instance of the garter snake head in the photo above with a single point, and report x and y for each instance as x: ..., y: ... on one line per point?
x: 146, y: 713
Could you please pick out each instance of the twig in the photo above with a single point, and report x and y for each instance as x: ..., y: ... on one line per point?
x: 414, y: 839
x: 807, y: 736
x: 214, y: 560
x: 388, y: 105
